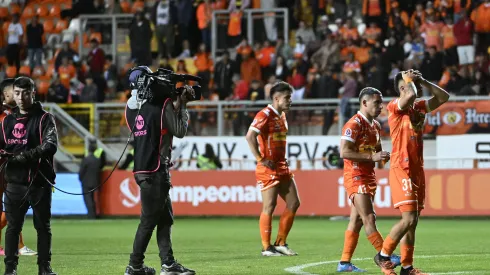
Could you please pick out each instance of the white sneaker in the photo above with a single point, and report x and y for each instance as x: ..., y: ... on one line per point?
x: 26, y: 251
x: 271, y: 252
x: 285, y: 250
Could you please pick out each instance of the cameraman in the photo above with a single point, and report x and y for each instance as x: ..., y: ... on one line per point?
x: 30, y: 140
x: 157, y: 122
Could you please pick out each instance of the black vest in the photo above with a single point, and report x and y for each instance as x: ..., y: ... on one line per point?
x: 148, y: 133
x: 21, y: 134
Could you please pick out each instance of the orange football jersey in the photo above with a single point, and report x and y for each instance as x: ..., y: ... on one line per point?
x: 272, y: 128
x: 365, y: 135
x: 406, y: 131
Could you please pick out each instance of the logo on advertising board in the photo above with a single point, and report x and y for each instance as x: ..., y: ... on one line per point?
x: 130, y: 193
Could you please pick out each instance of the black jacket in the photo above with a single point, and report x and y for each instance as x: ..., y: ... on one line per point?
x: 89, y: 174
x: 35, y: 136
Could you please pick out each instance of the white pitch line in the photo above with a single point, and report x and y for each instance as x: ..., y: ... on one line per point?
x: 456, y: 272
x: 298, y: 269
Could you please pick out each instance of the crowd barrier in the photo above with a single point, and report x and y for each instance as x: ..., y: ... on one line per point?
x: 223, y: 193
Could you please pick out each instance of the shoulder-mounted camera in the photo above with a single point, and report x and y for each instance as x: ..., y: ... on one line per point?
x: 160, y: 85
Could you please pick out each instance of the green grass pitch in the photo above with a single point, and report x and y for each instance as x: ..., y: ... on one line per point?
x: 232, y: 246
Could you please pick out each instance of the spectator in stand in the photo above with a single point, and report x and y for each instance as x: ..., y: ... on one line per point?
x: 66, y: 72
x: 457, y: 81
x: 140, y: 35
x: 348, y: 90
x: 372, y: 33
x: 432, y: 65
x: 14, y: 39
x: 34, y: 33
x: 204, y: 15
x: 463, y: 32
x: 283, y: 49
x: 349, y: 31
x: 256, y: 92
x: 203, y: 63
x: 184, y: 18
x: 281, y: 70
x: 67, y: 51
x: 449, y: 43
x: 481, y: 18
x: 431, y: 30
x: 300, y: 47
x: 265, y: 56
x: 351, y: 65
x: 418, y: 17
x: 270, y: 83
x: 305, y: 33
x: 374, y: 11
x: 110, y: 75
x: 89, y: 92
x: 96, y: 62
x: 250, y: 68
x: 223, y: 74
x: 57, y: 92
x: 164, y: 17
x: 328, y: 55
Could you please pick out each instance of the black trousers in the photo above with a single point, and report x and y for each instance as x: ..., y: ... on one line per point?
x: 18, y: 198
x: 13, y: 55
x: 156, y: 211
x: 89, y: 202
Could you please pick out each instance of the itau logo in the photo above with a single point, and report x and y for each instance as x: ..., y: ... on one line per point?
x: 140, y: 122
x: 19, y: 130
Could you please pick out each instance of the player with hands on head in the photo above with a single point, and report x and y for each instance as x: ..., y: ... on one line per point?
x: 407, y: 179
x: 266, y: 138
x: 360, y: 147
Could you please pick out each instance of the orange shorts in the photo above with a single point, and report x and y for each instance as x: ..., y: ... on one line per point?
x: 407, y: 189
x: 359, y: 185
x: 266, y: 180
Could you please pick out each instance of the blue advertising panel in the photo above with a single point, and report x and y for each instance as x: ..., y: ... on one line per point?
x: 64, y: 204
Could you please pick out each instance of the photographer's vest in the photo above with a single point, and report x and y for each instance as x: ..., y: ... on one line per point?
x: 148, y: 133
x: 205, y: 163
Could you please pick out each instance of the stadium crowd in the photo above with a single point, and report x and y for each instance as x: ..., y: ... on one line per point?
x: 337, y: 47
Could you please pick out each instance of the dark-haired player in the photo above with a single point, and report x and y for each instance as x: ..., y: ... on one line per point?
x: 267, y: 140
x: 360, y: 147
x: 29, y: 136
x: 407, y: 180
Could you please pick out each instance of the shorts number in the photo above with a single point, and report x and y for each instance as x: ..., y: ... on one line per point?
x: 407, y: 184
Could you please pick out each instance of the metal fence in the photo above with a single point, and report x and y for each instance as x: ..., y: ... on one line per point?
x: 114, y: 30
x: 224, y: 118
x: 257, y: 24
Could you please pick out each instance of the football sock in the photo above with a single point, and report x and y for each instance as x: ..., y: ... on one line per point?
x: 285, y: 225
x: 265, y: 225
x: 376, y: 240
x: 407, y: 255
x: 350, y: 243
x: 21, y: 241
x: 389, y: 246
